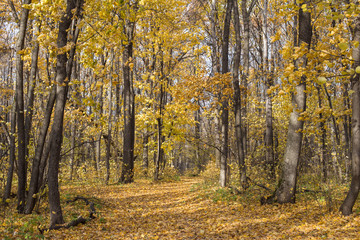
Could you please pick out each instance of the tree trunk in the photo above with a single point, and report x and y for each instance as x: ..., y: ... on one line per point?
x: 225, y: 111
x: 63, y: 70
x: 10, y: 173
x: 159, y: 156
x: 323, y: 150
x: 269, y: 144
x: 72, y: 146
x: 287, y: 185
x: 199, y: 162
x: 109, y: 137
x: 246, y: 65
x: 127, y: 173
x: 215, y: 69
x: 145, y: 153
x: 237, y: 99
x: 20, y: 109
x: 347, y: 205
x: 33, y: 187
x: 31, y: 91
x: 347, y: 132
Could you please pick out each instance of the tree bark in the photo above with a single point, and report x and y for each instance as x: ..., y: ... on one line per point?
x: 63, y: 70
x: 31, y: 91
x: 127, y: 172
x: 237, y: 99
x: 72, y: 145
x: 215, y: 69
x: 145, y: 164
x: 323, y: 149
x: 269, y: 143
x: 12, y: 157
x: 246, y: 11
x: 109, y: 137
x: 225, y: 111
x: 36, y: 170
x: 287, y: 185
x: 20, y: 109
x: 347, y: 205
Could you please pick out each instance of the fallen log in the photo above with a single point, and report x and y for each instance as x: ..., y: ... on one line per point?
x: 79, y: 220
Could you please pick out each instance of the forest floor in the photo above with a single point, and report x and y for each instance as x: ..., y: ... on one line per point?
x: 184, y: 210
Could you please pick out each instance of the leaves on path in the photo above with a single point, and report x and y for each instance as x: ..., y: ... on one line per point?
x: 176, y: 210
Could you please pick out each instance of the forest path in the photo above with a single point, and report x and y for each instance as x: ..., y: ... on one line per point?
x: 174, y: 210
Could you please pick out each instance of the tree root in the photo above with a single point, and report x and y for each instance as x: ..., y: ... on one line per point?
x: 77, y: 221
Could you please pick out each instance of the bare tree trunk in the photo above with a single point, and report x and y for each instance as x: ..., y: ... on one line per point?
x: 246, y: 11
x: 199, y: 162
x: 100, y: 113
x: 10, y: 173
x: 323, y: 150
x: 347, y: 132
x: 145, y: 152
x: 20, y: 109
x: 269, y: 144
x: 215, y: 69
x: 217, y: 128
x: 109, y: 137
x: 160, y: 156
x: 287, y: 185
x: 72, y: 153
x: 31, y: 91
x: 36, y: 170
x: 347, y: 205
x: 98, y: 138
x: 63, y: 74
x: 127, y: 172
x: 225, y: 111
x: 237, y: 99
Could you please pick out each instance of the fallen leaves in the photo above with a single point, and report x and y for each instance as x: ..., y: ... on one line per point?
x: 175, y: 210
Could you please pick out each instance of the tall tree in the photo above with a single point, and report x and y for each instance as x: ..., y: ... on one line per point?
x: 237, y: 98
x: 20, y: 108
x: 12, y: 154
x: 269, y: 145
x: 225, y: 103
x: 127, y: 173
x: 216, y: 68
x: 63, y: 74
x: 246, y: 12
x: 347, y: 205
x: 287, y: 185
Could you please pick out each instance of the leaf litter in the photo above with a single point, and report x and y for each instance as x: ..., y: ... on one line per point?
x: 177, y: 210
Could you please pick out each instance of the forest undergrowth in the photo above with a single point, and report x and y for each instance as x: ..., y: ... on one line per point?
x: 189, y: 208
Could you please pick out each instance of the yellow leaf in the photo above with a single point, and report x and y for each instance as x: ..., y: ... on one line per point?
x: 343, y: 46
x: 357, y: 69
x: 321, y: 80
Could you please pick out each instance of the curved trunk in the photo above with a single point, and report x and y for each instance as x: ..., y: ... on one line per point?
x: 63, y: 70
x: 347, y: 205
x: 287, y: 185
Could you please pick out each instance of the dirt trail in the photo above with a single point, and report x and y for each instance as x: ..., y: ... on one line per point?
x: 144, y: 210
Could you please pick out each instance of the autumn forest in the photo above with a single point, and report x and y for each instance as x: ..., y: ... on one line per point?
x: 179, y: 119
